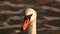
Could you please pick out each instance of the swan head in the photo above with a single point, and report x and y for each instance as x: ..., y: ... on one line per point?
x: 30, y: 15
x: 31, y: 12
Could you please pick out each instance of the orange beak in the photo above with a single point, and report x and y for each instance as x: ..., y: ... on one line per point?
x: 25, y: 23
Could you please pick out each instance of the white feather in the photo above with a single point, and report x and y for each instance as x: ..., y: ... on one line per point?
x: 32, y: 25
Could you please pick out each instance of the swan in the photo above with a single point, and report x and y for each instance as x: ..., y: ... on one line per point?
x: 30, y: 21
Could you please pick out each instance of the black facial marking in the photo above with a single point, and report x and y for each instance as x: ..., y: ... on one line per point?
x: 28, y: 16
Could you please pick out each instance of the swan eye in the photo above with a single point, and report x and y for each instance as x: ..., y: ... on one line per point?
x: 28, y: 16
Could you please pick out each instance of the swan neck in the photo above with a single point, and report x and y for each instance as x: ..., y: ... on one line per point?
x: 32, y: 27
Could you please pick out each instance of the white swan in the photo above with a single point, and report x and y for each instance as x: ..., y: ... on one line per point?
x: 30, y: 19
